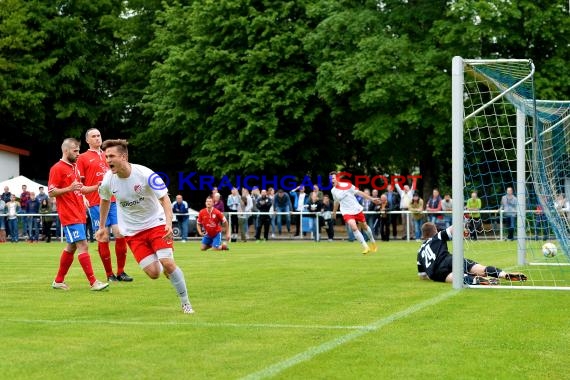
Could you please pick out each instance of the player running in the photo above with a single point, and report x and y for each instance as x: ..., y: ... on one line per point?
x: 344, y: 194
x: 145, y: 216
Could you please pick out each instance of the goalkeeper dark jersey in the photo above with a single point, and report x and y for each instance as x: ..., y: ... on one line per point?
x: 434, y: 258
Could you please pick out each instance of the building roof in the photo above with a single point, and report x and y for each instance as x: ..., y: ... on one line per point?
x: 11, y: 149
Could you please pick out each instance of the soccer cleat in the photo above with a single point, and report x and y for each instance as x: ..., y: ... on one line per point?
x: 373, y: 247
x: 487, y: 281
x: 98, y: 286
x: 112, y: 278
x: 479, y: 280
x: 515, y: 277
x: 59, y: 285
x: 187, y: 309
x: 124, y: 277
x: 366, y: 250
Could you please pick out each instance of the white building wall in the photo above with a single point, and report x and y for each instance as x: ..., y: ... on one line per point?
x: 9, y: 165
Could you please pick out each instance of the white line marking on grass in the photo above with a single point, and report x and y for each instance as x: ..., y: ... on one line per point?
x: 276, y: 368
x: 181, y: 323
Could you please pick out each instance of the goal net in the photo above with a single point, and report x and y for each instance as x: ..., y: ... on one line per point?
x: 511, y: 174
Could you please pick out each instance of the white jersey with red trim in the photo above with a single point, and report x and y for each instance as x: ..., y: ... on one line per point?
x: 346, y: 197
x: 138, y: 208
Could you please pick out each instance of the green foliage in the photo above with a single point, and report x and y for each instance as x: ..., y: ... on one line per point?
x: 248, y: 86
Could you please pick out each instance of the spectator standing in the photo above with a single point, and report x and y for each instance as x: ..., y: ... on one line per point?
x: 47, y: 220
x: 6, y: 197
x: 327, y: 216
x: 416, y: 207
x: 253, y: 218
x: 433, y: 206
x: 447, y: 206
x: 33, y: 207
x: 300, y: 202
x: 374, y: 221
x: 317, y: 190
x: 314, y: 208
x: 41, y: 195
x: 24, y: 198
x: 12, y: 210
x: 384, y: 218
x: 474, y: 224
x: 65, y: 183
x: 509, y: 206
x: 271, y: 195
x: 264, y: 205
x: 180, y: 210
x: 2, y: 221
x: 282, y: 204
x: 406, y: 195
x: 244, y: 210
x: 393, y: 205
x: 233, y: 205
x: 218, y: 201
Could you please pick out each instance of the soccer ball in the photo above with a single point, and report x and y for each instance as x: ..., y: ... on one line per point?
x: 549, y: 250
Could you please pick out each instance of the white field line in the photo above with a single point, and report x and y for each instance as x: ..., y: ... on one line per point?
x: 182, y: 323
x: 311, y: 352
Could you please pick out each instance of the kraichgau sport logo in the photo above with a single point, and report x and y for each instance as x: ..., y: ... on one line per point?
x: 158, y: 181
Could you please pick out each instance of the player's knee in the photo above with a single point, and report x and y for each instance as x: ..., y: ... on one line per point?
x: 153, y: 275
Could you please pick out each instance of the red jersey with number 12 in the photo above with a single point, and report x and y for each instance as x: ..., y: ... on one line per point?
x: 70, y: 206
x: 211, y: 220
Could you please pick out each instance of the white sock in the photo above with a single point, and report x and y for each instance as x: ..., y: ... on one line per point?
x: 360, y: 238
x: 179, y: 283
x: 370, y: 235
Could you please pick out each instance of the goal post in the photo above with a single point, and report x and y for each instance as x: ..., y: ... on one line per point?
x: 502, y: 137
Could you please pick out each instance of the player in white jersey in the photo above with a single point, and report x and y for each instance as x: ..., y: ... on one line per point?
x: 344, y: 194
x: 144, y: 215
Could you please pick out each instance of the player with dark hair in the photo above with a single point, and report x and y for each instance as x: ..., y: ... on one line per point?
x: 65, y: 184
x: 210, y: 221
x: 435, y: 262
x: 145, y: 216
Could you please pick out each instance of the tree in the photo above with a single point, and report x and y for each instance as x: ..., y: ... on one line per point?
x: 237, y: 89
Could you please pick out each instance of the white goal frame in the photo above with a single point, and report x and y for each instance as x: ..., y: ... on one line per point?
x: 457, y: 122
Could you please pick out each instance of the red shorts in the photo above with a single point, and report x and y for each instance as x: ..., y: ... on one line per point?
x: 357, y: 218
x: 147, y: 242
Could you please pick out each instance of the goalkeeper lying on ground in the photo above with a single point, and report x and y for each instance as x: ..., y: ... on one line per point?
x: 435, y: 261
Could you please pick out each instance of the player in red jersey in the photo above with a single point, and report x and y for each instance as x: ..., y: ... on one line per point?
x: 210, y: 222
x: 65, y: 184
x: 93, y: 166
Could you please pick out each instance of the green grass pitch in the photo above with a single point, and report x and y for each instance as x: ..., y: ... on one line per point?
x: 283, y: 310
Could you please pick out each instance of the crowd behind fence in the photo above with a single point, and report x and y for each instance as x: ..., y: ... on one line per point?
x: 492, y: 224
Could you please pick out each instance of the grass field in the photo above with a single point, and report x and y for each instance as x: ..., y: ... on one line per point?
x: 284, y: 310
